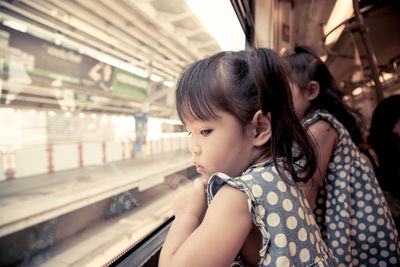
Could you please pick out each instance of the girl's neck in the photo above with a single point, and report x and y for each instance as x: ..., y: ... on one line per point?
x: 262, y: 158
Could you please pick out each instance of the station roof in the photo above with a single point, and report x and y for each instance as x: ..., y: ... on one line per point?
x: 157, y: 36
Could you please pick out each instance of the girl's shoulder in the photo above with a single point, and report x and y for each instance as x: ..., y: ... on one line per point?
x: 323, y: 115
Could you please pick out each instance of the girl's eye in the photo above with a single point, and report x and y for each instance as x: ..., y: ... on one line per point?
x: 205, y: 132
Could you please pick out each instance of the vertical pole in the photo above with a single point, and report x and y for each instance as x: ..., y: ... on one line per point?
x: 373, y: 64
x: 50, y: 157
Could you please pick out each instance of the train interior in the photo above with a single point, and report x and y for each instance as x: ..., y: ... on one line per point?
x: 91, y: 147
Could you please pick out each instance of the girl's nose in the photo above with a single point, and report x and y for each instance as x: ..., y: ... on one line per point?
x: 194, y: 148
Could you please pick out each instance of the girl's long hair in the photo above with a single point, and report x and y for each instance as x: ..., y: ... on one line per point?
x: 304, y: 66
x: 241, y: 83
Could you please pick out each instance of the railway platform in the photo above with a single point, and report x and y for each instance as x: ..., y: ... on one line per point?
x: 86, y: 216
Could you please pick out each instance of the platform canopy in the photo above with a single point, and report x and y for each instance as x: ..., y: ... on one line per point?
x: 150, y: 39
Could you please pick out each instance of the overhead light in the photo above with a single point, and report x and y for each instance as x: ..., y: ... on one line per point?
x: 168, y: 83
x: 155, y: 78
x: 122, y: 65
x: 357, y: 91
x: 219, y: 18
x: 342, y: 11
x: 385, y: 76
x: 15, y: 25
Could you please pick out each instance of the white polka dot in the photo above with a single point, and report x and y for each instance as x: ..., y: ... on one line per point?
x: 381, y: 234
x: 282, y: 261
x: 363, y: 256
x: 257, y: 190
x: 280, y: 240
x: 335, y: 243
x: 292, y: 248
x: 371, y: 239
x: 383, y: 243
x: 317, y: 235
x: 302, y: 235
x: 304, y: 255
x: 337, y: 234
x: 291, y: 222
x: 293, y: 191
x: 301, y: 213
x: 273, y: 219
x: 312, y: 238
x: 267, y: 176
x: 373, y: 251
x: 362, y: 236
x: 267, y: 260
x: 272, y: 198
x: 281, y: 186
x: 340, y: 251
x: 370, y: 218
x: 274, y: 170
x: 373, y: 260
x: 261, y: 210
x: 247, y: 177
x: 393, y: 260
x: 259, y: 169
x: 287, y: 205
x: 384, y: 253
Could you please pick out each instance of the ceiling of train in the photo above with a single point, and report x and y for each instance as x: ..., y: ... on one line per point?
x: 382, y: 20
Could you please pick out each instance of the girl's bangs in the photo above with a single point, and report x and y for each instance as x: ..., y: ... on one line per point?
x: 194, y: 107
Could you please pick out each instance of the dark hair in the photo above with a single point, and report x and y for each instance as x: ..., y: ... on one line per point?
x: 304, y: 66
x: 384, y: 141
x: 241, y: 83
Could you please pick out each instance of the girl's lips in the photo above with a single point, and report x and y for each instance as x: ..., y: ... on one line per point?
x: 199, y: 168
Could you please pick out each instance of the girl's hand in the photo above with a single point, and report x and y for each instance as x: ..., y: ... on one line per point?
x: 191, y: 201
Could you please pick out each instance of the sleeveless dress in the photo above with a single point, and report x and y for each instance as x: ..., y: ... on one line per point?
x: 351, y: 211
x: 290, y: 235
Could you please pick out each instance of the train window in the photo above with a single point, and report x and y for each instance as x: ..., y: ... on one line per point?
x: 91, y: 147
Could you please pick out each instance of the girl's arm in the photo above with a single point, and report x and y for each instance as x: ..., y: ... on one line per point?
x: 325, y: 138
x: 214, y: 241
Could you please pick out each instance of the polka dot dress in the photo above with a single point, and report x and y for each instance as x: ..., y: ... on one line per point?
x: 279, y: 210
x: 351, y: 211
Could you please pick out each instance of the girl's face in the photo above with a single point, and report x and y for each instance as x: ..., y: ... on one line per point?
x: 301, y: 101
x: 220, y: 145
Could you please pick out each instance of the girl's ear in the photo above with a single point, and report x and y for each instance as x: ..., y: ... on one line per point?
x: 312, y: 90
x: 261, y: 130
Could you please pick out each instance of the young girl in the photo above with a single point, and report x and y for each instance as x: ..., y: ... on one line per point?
x: 344, y: 194
x: 238, y: 109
